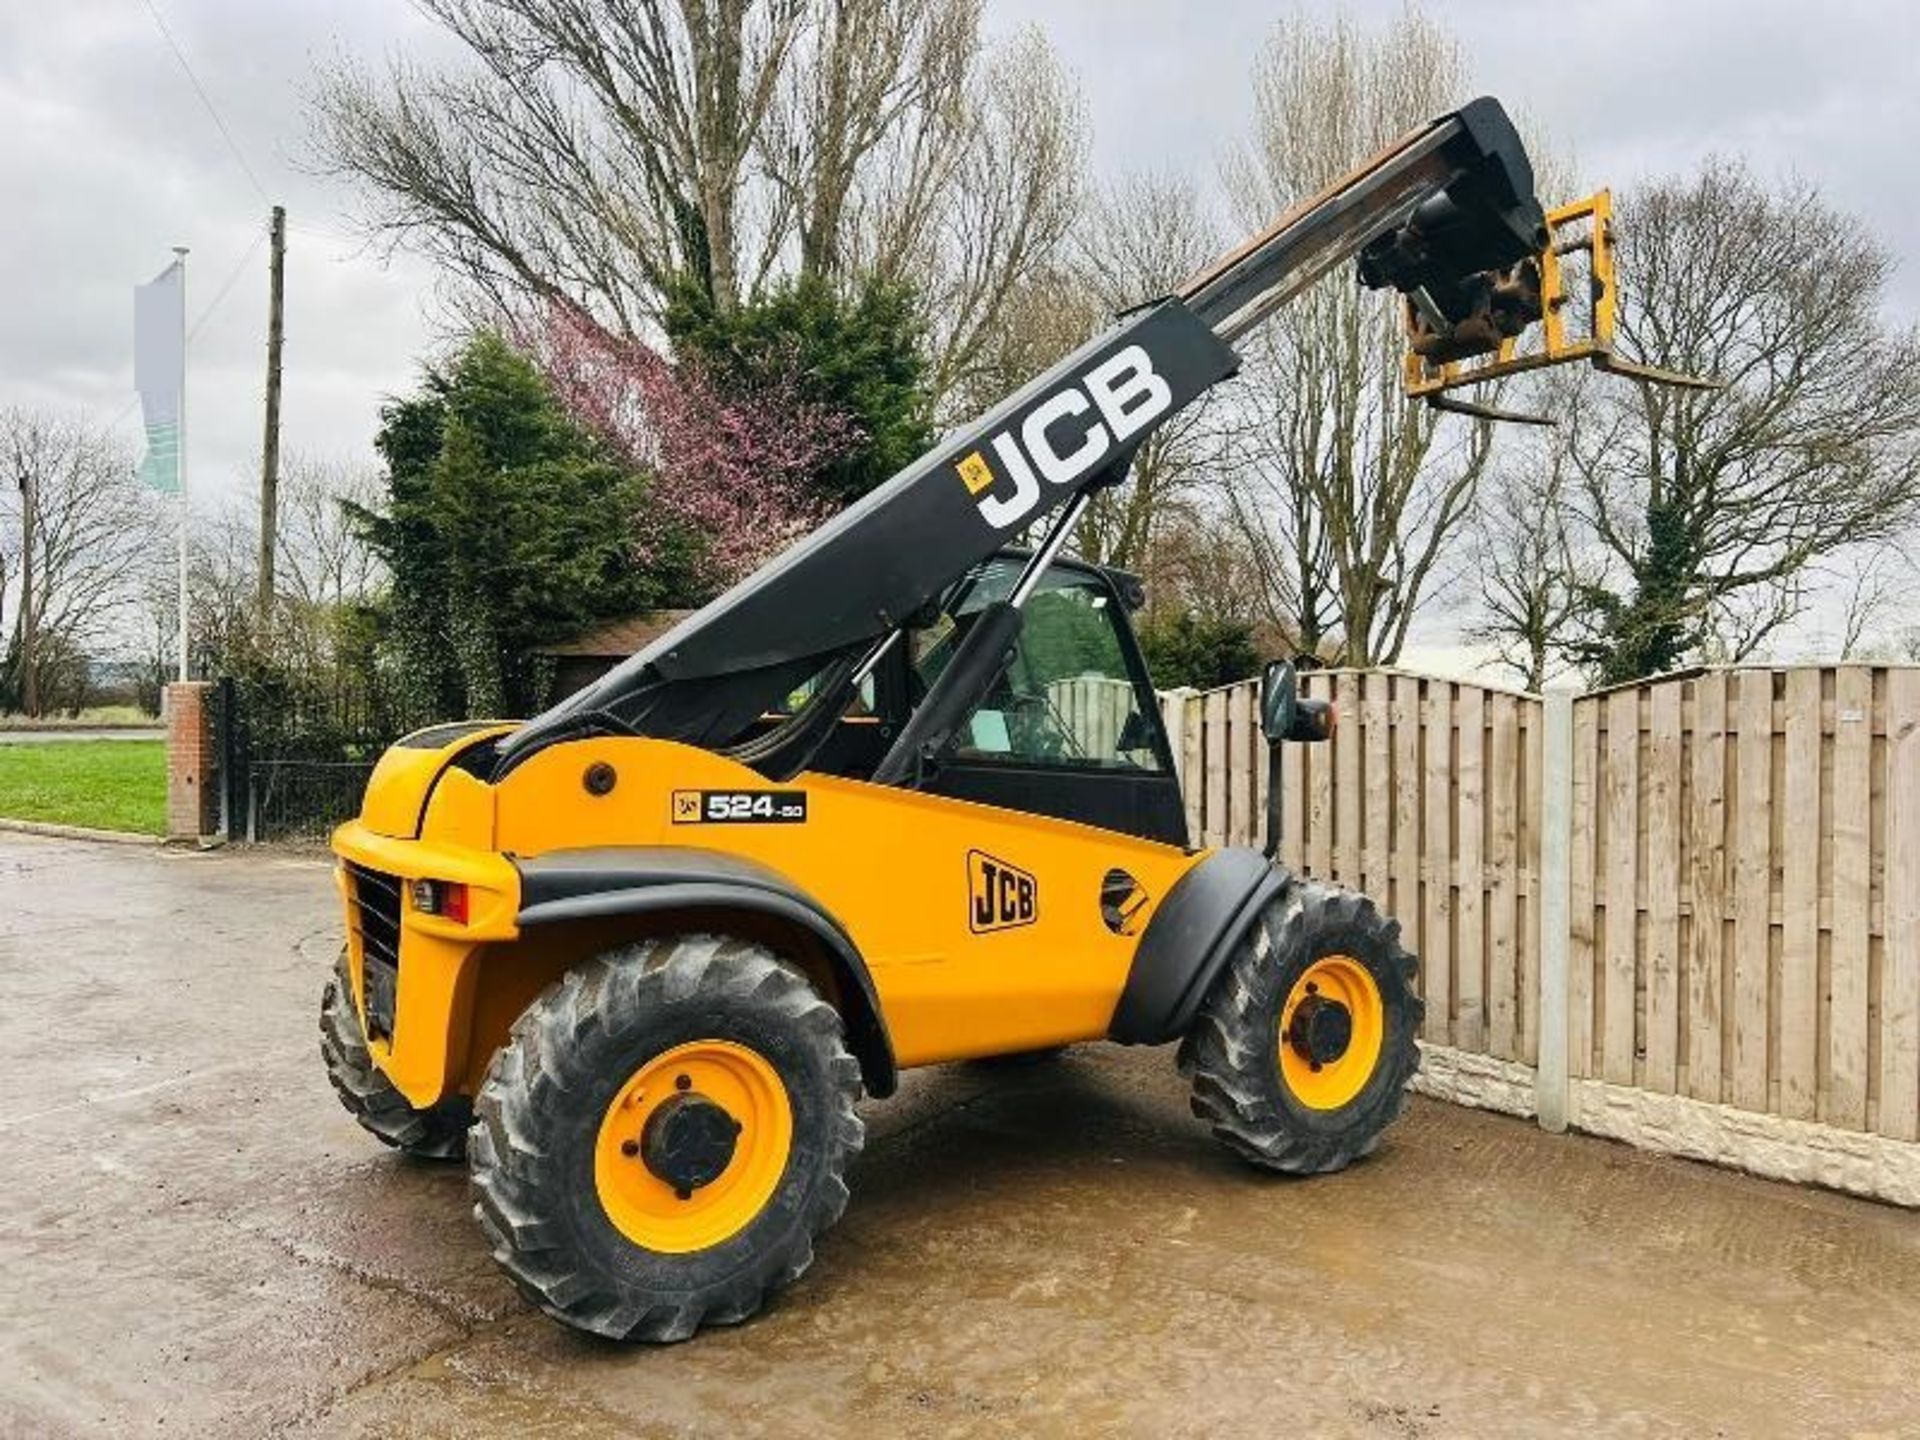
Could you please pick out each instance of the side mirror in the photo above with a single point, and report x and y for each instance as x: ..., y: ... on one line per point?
x: 1285, y: 714
x: 1279, y: 698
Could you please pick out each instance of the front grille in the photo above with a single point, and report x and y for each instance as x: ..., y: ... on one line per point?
x: 376, y: 919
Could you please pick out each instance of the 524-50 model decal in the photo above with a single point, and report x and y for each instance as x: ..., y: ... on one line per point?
x: 739, y: 807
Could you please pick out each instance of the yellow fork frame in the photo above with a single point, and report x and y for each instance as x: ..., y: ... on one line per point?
x: 1435, y: 383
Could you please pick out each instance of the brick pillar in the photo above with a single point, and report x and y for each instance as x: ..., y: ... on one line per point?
x: 193, y: 804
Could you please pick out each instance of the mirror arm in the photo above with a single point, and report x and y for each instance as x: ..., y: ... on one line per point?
x: 1272, y: 848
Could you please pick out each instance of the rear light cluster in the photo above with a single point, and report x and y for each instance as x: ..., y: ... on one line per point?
x: 445, y: 898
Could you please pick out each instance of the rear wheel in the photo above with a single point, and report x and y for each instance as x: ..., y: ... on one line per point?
x: 437, y: 1133
x: 1303, y: 1048
x: 663, y: 1137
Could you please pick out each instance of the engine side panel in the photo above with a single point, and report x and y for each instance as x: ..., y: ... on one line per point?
x: 982, y: 928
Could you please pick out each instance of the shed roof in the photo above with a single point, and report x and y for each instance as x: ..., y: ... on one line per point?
x: 617, y: 639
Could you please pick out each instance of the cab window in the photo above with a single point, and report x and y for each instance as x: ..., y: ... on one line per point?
x: 1068, y: 698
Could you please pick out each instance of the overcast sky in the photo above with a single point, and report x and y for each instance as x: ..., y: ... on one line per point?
x: 110, y: 158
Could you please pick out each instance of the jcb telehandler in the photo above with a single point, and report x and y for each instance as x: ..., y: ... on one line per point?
x: 900, y: 797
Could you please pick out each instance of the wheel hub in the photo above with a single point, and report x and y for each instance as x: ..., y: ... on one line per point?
x: 688, y: 1142
x: 1320, y: 1031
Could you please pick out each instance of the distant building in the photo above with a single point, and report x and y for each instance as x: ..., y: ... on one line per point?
x: 581, y: 661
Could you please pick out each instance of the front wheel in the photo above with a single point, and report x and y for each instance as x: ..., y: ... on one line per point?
x: 436, y: 1133
x: 663, y: 1137
x: 1303, y: 1048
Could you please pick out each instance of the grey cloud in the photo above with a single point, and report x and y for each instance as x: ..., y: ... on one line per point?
x: 108, y: 159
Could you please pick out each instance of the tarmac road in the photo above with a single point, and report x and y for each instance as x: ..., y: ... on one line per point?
x: 52, y: 733
x: 196, y: 1240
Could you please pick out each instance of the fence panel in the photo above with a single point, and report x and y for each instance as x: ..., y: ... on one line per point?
x: 1743, y: 887
x: 1435, y: 929
x: 1899, y: 1007
x: 1419, y: 799
x: 1706, y: 902
x: 1749, y: 927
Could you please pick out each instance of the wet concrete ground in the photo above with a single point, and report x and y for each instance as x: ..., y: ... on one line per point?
x: 197, y: 1240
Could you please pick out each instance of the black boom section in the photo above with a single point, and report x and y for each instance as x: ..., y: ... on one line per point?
x: 1188, y: 941
x: 879, y: 561
x: 599, y: 881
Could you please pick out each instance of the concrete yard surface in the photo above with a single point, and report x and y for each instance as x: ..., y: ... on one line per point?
x: 199, y: 1241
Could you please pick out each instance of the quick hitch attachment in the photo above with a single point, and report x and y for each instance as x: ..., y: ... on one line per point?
x: 1452, y: 347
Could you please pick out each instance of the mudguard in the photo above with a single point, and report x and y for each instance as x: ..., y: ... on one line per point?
x: 1188, y: 942
x: 565, y: 885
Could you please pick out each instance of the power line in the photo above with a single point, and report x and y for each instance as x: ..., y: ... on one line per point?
x: 226, y: 286
x: 207, y: 100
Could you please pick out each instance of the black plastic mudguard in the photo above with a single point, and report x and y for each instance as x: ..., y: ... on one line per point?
x: 589, y: 883
x: 1188, y: 942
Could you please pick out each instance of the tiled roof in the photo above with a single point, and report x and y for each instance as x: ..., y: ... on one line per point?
x: 617, y: 639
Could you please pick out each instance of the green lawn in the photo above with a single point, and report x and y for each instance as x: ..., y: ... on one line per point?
x: 102, y: 784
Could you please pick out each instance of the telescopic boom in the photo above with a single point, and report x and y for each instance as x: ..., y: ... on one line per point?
x: 1437, y: 216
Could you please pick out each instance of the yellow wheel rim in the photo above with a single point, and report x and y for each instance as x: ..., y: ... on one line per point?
x: 1331, y: 1032
x: 703, y: 1085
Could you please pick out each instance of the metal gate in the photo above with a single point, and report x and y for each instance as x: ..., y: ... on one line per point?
x: 291, y: 772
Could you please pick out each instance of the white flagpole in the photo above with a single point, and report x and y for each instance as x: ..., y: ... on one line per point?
x: 181, y: 463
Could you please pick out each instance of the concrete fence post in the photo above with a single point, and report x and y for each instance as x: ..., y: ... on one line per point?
x: 193, y: 802
x: 1556, y: 908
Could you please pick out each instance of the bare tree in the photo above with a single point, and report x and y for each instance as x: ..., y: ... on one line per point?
x: 322, y: 566
x: 1532, y: 561
x: 1141, y: 237
x: 1002, y: 219
x: 1351, y: 496
x: 1711, y: 506
x: 322, y: 558
x: 91, y: 526
x: 1199, y: 562
x: 868, y: 125
x: 223, y: 558
x: 599, y: 152
x: 595, y: 151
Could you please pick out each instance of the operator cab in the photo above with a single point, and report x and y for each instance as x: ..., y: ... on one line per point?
x: 1072, y: 729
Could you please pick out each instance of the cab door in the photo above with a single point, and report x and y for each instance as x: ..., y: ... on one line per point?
x: 1073, y: 729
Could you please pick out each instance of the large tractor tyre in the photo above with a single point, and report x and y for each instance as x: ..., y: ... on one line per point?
x: 439, y: 1133
x: 1303, y: 1048
x: 664, y: 1135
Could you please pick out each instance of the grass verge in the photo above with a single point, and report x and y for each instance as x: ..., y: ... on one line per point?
x: 102, y: 784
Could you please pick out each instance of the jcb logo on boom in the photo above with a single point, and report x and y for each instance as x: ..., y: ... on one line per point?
x: 1058, y: 439
x: 999, y: 896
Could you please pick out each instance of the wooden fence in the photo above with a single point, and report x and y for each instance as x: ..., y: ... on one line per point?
x: 1427, y: 798
x: 1742, y: 874
x: 1746, y: 898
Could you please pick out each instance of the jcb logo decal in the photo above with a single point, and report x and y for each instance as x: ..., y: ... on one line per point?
x: 1060, y: 441
x: 1000, y: 896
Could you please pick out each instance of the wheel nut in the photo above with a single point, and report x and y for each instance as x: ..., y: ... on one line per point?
x: 683, y: 1082
x: 629, y: 1148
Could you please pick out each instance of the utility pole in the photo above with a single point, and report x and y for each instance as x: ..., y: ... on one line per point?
x: 270, y: 443
x: 29, y: 681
